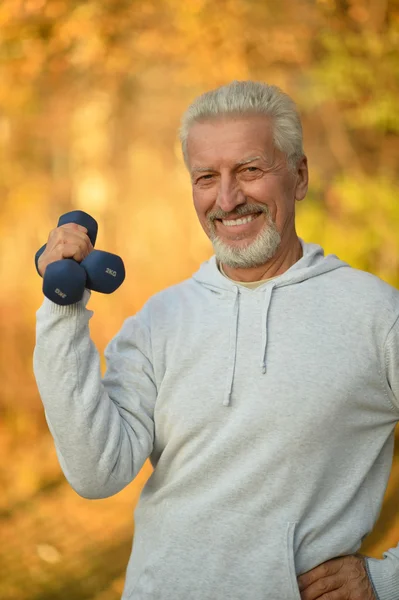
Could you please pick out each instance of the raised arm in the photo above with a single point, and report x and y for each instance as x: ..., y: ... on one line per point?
x: 102, y: 428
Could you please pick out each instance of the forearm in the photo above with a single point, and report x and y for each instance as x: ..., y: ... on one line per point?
x: 95, y: 437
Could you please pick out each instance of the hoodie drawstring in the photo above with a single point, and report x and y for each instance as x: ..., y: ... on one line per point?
x: 265, y: 311
x: 233, y: 348
x: 234, y: 335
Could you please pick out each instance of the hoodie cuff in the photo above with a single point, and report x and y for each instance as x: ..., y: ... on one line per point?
x: 69, y: 309
x: 384, y: 576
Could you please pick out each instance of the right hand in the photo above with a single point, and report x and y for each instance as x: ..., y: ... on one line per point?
x: 68, y: 241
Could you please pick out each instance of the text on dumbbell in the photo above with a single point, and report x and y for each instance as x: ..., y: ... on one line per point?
x: 110, y: 272
x: 58, y: 291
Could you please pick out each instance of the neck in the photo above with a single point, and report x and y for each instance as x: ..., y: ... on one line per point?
x: 281, y: 262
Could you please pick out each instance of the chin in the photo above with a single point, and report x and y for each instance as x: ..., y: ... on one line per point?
x: 249, y: 255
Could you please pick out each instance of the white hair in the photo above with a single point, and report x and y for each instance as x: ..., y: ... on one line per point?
x: 249, y: 97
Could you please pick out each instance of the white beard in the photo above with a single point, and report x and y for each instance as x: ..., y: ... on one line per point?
x: 255, y: 254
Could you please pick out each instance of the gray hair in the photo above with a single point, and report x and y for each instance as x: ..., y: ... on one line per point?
x: 246, y: 97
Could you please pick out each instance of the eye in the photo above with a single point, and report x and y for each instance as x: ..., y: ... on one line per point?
x: 250, y: 172
x: 204, y: 178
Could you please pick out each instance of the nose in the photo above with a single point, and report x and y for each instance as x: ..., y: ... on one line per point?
x: 229, y: 194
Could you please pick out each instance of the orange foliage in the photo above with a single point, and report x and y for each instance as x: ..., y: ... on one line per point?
x: 90, y: 99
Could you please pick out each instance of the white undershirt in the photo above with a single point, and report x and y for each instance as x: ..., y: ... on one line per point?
x: 248, y: 284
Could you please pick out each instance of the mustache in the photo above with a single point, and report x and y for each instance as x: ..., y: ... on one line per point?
x: 240, y: 211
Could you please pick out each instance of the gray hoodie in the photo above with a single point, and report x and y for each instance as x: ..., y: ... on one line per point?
x: 268, y: 416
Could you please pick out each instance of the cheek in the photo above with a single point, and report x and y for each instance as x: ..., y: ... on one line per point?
x: 266, y: 193
x: 284, y: 209
x: 274, y: 195
x: 202, y: 204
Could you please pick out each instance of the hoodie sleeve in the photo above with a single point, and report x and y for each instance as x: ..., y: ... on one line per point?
x: 103, y: 428
x: 384, y: 573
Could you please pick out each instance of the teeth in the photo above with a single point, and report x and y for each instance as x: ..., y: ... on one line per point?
x: 233, y: 222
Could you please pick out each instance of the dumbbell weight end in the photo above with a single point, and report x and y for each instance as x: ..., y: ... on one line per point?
x: 67, y: 270
x: 105, y: 271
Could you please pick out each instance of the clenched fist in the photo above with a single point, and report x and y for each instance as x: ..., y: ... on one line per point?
x: 67, y: 241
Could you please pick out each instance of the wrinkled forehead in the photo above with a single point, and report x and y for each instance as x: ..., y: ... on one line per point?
x: 230, y: 140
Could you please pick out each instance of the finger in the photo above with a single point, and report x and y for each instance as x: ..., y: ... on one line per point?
x: 66, y: 241
x: 79, y: 230
x: 322, y: 586
x: 335, y: 595
x: 73, y: 250
x: 66, y: 234
x: 73, y: 226
x: 60, y: 252
x: 330, y: 567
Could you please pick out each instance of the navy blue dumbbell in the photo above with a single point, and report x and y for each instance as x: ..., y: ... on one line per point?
x: 65, y: 280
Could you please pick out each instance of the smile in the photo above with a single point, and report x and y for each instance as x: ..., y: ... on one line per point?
x: 242, y: 221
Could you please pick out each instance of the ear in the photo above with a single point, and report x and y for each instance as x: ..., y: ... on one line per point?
x: 302, y: 179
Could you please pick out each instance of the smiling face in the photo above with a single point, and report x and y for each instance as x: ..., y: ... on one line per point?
x: 244, y: 192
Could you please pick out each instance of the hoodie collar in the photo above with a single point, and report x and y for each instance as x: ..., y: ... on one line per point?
x: 312, y: 264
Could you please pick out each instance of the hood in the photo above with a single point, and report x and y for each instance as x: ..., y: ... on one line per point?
x: 312, y: 264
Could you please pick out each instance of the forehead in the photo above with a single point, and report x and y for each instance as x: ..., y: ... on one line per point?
x: 229, y: 140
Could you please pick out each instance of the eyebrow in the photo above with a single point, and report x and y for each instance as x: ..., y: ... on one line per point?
x: 239, y: 164
x: 247, y: 160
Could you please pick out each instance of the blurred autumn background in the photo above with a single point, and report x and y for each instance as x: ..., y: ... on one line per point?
x: 91, y: 93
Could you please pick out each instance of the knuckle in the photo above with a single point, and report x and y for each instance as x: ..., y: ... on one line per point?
x: 68, y: 226
x: 66, y: 241
x: 322, y: 585
x: 56, y: 237
x: 324, y: 570
x: 53, y: 233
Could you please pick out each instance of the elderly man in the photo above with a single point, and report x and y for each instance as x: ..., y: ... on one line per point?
x: 264, y: 389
